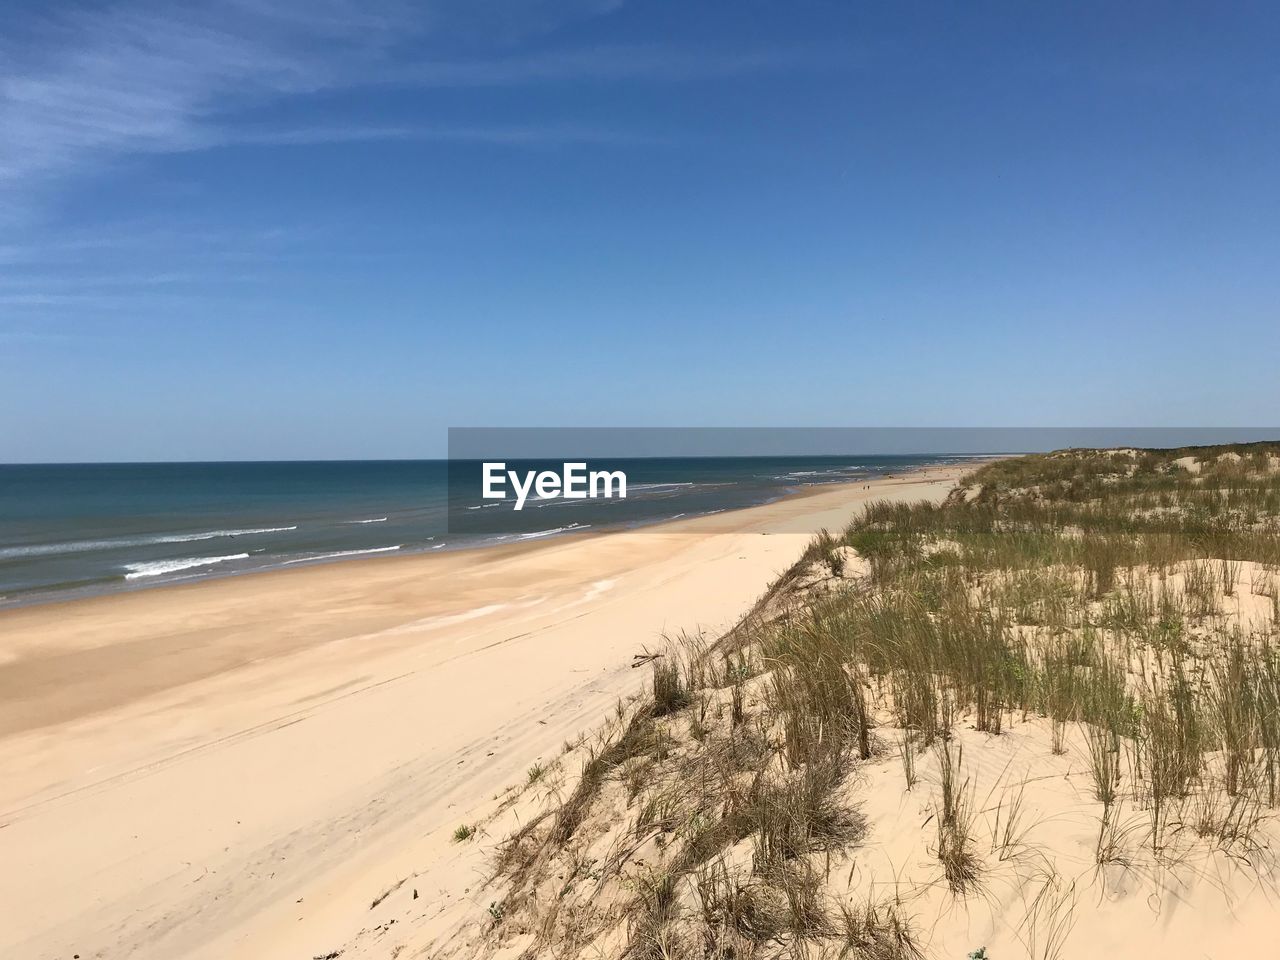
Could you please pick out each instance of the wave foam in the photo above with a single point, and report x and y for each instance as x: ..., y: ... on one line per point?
x: 82, y: 546
x: 345, y: 553
x: 571, y: 528
x: 156, y: 568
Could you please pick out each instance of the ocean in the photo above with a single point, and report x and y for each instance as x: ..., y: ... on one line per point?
x: 70, y: 530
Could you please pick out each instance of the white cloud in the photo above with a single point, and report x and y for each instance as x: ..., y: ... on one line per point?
x: 98, y: 83
x: 500, y: 135
x: 94, y: 84
x: 601, y: 63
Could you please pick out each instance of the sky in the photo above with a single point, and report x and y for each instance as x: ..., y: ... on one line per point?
x: 265, y: 229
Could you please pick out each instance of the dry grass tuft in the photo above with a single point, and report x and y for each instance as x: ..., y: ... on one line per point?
x: 1130, y: 603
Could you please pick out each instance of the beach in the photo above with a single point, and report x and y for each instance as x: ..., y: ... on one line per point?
x: 229, y: 768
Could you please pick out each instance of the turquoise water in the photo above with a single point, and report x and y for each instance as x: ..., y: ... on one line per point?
x: 78, y: 529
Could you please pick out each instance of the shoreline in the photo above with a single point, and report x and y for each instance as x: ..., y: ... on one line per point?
x: 63, y: 598
x: 240, y: 746
x: 156, y: 606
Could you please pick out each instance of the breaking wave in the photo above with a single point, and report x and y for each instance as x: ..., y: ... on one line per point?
x: 156, y: 568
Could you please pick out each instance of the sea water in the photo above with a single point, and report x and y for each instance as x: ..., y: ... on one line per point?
x: 76, y: 529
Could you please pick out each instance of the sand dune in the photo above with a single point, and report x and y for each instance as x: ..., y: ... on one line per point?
x: 1039, y: 721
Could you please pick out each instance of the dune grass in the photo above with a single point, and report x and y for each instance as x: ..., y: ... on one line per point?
x: 1127, y: 598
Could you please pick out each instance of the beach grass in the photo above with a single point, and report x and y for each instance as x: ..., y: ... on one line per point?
x: 1117, y: 609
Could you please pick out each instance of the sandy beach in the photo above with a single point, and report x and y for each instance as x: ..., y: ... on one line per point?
x: 631, y: 481
x: 224, y: 769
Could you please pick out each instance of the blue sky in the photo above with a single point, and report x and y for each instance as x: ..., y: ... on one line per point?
x: 272, y: 229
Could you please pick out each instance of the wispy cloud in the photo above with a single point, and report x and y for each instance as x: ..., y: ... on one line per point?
x: 126, y: 241
x: 95, y: 83
x: 35, y: 282
x: 599, y: 63
x: 92, y: 84
x: 501, y: 135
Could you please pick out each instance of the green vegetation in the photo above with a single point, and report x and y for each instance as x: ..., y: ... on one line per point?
x: 1126, y: 601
